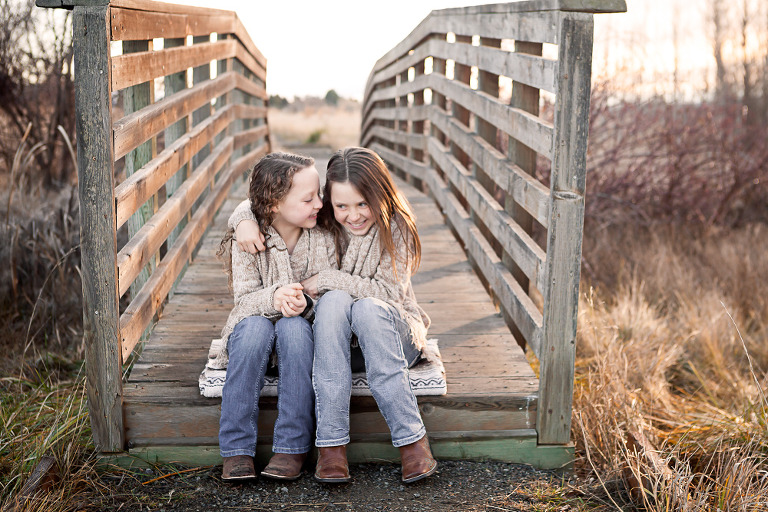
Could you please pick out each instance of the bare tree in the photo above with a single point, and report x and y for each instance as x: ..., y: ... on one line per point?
x: 718, y: 16
x: 36, y: 87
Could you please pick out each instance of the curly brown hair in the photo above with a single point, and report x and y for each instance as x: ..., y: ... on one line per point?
x: 271, y: 180
x: 368, y: 173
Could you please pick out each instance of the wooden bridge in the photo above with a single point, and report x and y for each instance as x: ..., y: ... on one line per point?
x: 158, y: 176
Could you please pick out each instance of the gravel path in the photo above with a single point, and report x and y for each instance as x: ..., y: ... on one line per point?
x: 457, y: 486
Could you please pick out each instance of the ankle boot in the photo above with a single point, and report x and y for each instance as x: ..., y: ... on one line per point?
x: 285, y: 466
x: 238, y: 467
x: 417, y: 460
x: 332, y: 466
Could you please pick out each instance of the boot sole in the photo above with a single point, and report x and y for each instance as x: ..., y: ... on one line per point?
x: 421, y: 476
x: 239, y: 478
x: 333, y: 480
x: 280, y: 477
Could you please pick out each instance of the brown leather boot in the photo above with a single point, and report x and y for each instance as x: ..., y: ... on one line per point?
x: 417, y: 460
x: 239, y: 467
x: 285, y: 466
x: 332, y: 466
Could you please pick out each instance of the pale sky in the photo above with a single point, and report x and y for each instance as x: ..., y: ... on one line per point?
x: 314, y: 46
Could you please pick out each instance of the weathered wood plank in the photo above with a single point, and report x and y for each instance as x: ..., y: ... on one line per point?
x: 528, y: 129
x: 143, y: 306
x: 592, y: 6
x: 173, y: 83
x: 561, y: 295
x: 511, y: 446
x: 133, y: 24
x: 143, y: 245
x: 513, y: 299
x: 524, y: 188
x: 128, y: 70
x: 534, y: 71
x: 402, y: 162
x: 141, y: 185
x: 98, y: 243
x: 412, y: 140
x: 523, y: 249
x: 135, y: 128
x: 527, y: 26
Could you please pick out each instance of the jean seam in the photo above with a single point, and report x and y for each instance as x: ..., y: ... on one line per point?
x: 235, y: 453
x: 390, y: 315
x: 332, y: 442
x: 262, y: 370
x: 319, y: 417
x: 280, y: 449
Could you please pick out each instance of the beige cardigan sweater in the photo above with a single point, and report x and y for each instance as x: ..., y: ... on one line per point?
x: 256, y: 277
x: 366, y: 271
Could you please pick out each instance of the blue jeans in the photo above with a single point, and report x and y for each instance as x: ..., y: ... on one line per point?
x: 250, y: 346
x: 387, y: 345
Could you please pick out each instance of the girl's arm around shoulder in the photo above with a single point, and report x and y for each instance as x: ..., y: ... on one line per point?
x: 247, y: 233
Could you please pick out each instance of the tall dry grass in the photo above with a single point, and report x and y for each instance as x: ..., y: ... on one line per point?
x: 673, y: 348
x: 335, y: 127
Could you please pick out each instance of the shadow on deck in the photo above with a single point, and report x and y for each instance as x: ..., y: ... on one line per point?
x: 488, y: 413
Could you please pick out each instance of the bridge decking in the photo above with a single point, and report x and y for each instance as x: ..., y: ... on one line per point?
x: 489, y: 411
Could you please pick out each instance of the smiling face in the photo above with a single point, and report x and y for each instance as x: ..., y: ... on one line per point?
x: 351, y: 209
x: 300, y: 206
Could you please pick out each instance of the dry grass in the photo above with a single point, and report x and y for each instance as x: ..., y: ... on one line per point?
x: 673, y: 344
x: 336, y: 127
x: 41, y: 416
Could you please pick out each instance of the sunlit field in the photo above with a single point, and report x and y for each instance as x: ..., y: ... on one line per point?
x: 317, y: 124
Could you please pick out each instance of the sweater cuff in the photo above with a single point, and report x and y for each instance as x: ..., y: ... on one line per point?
x: 240, y: 214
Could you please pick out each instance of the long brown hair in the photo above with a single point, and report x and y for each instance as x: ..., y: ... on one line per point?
x: 271, y: 180
x: 368, y: 173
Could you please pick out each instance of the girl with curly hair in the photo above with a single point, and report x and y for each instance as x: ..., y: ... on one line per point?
x: 370, y: 297
x: 271, y: 312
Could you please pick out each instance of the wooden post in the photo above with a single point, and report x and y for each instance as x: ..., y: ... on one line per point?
x: 175, y: 83
x: 135, y: 98
x: 417, y: 127
x: 461, y: 73
x: 438, y: 101
x: 98, y: 239
x: 201, y: 74
x: 402, y: 124
x: 566, y: 214
x: 525, y: 98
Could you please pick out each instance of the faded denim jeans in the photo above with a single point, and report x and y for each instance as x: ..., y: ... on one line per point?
x: 387, y: 345
x: 250, y: 346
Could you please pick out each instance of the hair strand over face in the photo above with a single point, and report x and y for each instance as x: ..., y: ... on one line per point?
x: 368, y: 173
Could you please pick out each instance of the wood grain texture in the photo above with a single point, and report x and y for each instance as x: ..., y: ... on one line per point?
x: 98, y: 244
x: 134, y: 24
x: 561, y: 295
x: 139, y: 312
x: 128, y: 70
x: 138, y: 187
x: 492, y: 388
x: 142, y: 246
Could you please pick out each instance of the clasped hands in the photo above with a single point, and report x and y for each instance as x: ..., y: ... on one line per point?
x: 290, y: 299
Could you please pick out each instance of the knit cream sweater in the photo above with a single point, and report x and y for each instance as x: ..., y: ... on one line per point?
x: 256, y: 277
x: 366, y: 271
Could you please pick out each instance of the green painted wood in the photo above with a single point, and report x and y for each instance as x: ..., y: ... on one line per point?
x: 561, y: 295
x: 520, y: 449
x: 98, y: 242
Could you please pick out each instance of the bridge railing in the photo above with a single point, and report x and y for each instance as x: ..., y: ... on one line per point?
x: 171, y: 109
x: 436, y: 110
